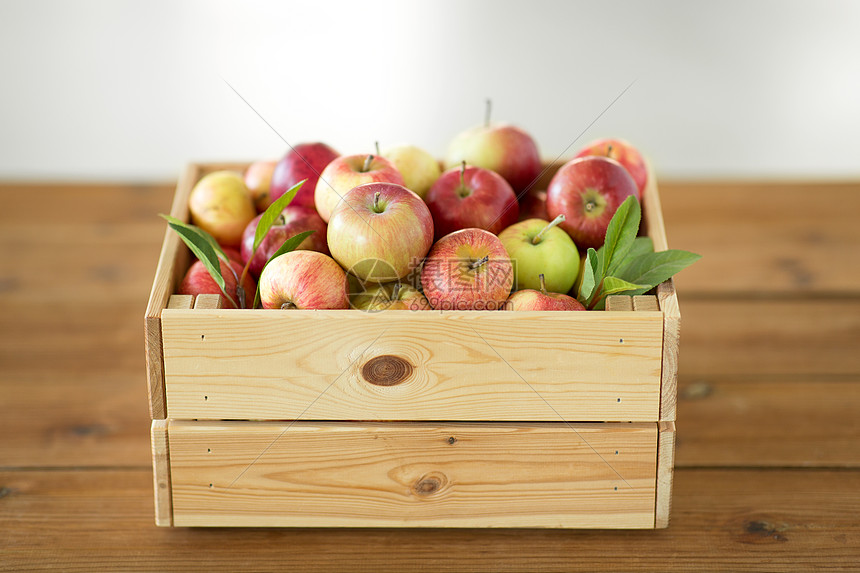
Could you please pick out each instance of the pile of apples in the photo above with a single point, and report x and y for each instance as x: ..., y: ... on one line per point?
x: 395, y: 231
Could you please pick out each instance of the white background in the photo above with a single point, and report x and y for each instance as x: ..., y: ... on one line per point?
x: 132, y: 91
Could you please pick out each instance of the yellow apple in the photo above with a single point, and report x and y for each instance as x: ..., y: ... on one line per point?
x: 419, y: 169
x: 221, y: 205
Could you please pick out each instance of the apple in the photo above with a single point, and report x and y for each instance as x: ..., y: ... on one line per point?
x: 471, y: 197
x: 467, y: 270
x: 258, y: 179
x: 390, y: 296
x: 380, y: 231
x: 531, y: 299
x: 503, y: 148
x: 304, y: 161
x: 533, y: 205
x: 419, y: 169
x: 538, y: 247
x: 303, y: 280
x: 221, y: 205
x: 233, y: 254
x: 347, y: 172
x: 197, y: 280
x: 292, y: 220
x: 625, y: 154
x: 588, y: 191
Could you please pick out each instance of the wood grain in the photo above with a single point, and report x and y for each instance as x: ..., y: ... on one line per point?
x: 804, y: 421
x: 466, y: 365
x: 667, y: 299
x: 314, y: 474
x: 665, y: 473
x: 722, y: 520
x: 172, y: 264
x: 161, y: 473
x: 770, y: 337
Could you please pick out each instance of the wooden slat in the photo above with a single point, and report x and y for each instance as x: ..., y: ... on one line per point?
x: 161, y: 473
x: 777, y: 422
x: 464, y: 365
x: 172, y: 262
x: 665, y: 473
x: 722, y: 520
x: 770, y: 337
x: 207, y: 302
x: 668, y: 302
x: 645, y: 302
x: 769, y: 237
x: 619, y: 303
x: 316, y: 474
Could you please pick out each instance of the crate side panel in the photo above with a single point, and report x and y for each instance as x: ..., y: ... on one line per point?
x: 161, y: 473
x: 313, y: 474
x: 453, y: 366
x: 665, y: 473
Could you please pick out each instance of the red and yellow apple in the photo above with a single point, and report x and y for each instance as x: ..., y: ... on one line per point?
x: 471, y: 197
x: 588, y: 191
x: 390, y: 296
x: 346, y: 172
x: 221, y: 205
x: 505, y: 149
x: 380, y: 231
x: 625, y: 154
x: 467, y: 270
x: 303, y: 280
x: 540, y: 299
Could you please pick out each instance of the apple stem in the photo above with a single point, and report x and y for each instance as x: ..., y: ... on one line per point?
x: 376, y: 144
x: 288, y: 306
x: 487, y: 111
x: 542, y: 283
x: 477, y: 264
x: 395, y: 292
x: 463, y: 174
x: 366, y: 167
x: 609, y: 150
x: 553, y: 223
x: 376, y: 202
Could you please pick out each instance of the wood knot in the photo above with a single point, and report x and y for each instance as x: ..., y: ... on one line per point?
x: 430, y: 484
x: 386, y: 370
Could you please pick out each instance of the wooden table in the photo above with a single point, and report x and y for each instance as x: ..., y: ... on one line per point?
x: 768, y: 452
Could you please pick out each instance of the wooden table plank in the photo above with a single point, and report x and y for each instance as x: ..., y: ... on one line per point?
x: 727, y: 520
x: 778, y: 422
x: 765, y: 237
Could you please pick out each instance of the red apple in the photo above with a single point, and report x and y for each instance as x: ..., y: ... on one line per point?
x: 198, y: 281
x: 467, y: 270
x: 233, y: 254
x: 258, y: 179
x: 304, y: 161
x: 505, y: 149
x: 347, y: 172
x: 293, y: 220
x: 625, y: 154
x: 303, y: 280
x: 588, y: 191
x: 530, y: 299
x: 471, y: 197
x: 221, y: 205
x: 380, y: 232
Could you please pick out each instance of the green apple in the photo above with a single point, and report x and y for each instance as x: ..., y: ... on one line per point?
x: 419, y: 169
x: 540, y: 247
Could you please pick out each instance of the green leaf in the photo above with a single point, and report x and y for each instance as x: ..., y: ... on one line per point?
x: 200, y: 243
x: 288, y: 246
x: 614, y: 285
x: 272, y: 213
x: 652, y: 269
x: 620, y: 234
x: 641, y: 246
x: 589, y: 276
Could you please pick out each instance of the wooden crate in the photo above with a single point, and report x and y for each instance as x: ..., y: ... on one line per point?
x: 440, y: 419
